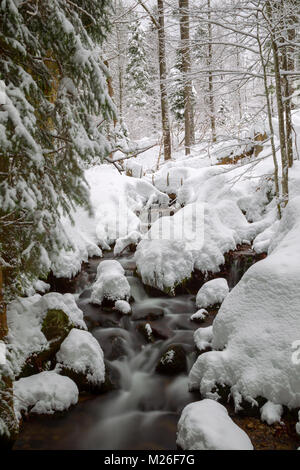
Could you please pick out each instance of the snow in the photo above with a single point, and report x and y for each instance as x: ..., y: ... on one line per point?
x: 116, y: 200
x: 168, y: 357
x: 298, y: 424
x: 196, y: 237
x: 122, y: 306
x: 200, y: 314
x: 206, y: 425
x: 110, y: 283
x: 212, y: 292
x: 148, y: 330
x: 81, y: 352
x: 25, y: 317
x: 44, y: 393
x: 257, y: 325
x: 203, y: 338
x: 132, y: 239
x: 271, y: 413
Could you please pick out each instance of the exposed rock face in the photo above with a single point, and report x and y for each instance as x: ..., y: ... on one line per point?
x: 173, y: 361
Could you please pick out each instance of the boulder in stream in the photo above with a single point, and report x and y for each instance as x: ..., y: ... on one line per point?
x: 173, y: 360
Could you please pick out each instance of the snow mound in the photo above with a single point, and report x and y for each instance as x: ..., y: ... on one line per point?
x: 110, y: 283
x: 25, y: 317
x: 206, y: 425
x: 81, y: 352
x: 84, y: 244
x: 116, y: 200
x: 212, y: 292
x: 44, y: 393
x: 271, y: 413
x: 196, y: 237
x: 203, y: 338
x: 123, y: 307
x: 258, y: 325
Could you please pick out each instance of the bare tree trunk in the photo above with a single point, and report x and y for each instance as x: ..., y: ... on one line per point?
x: 287, y: 91
x: 288, y: 35
x: 210, y: 78
x: 163, y: 77
x: 186, y: 69
x: 269, y: 108
x: 280, y: 110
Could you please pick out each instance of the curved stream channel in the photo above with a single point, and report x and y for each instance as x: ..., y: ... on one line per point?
x: 143, y: 412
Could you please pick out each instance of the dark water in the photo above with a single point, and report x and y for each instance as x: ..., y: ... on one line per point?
x: 143, y: 412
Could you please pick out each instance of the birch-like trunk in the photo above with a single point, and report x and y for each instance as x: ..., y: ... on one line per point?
x: 163, y: 78
x: 186, y: 70
x: 210, y: 77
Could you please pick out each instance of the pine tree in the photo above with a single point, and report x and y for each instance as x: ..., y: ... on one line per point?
x: 53, y: 96
x: 54, y: 88
x: 137, y: 73
x: 177, y: 89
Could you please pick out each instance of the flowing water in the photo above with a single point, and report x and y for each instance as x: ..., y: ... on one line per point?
x: 143, y: 412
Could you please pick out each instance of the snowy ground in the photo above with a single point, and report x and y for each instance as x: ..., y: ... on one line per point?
x: 255, y: 338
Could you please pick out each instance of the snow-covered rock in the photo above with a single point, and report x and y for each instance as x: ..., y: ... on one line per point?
x: 271, y: 413
x: 258, y: 325
x: 44, y: 393
x: 80, y: 352
x: 203, y: 338
x: 132, y: 239
x: 199, y: 315
x: 298, y: 424
x: 110, y: 283
x: 206, y: 425
x: 25, y: 318
x: 122, y: 306
x: 196, y: 237
x: 212, y: 292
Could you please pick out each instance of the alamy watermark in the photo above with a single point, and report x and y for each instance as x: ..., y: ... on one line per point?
x: 157, y: 222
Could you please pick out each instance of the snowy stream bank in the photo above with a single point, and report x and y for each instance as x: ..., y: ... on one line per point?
x: 143, y: 412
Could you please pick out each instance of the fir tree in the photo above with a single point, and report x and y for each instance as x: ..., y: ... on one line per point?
x: 55, y: 87
x: 177, y: 89
x: 53, y: 96
x: 137, y: 73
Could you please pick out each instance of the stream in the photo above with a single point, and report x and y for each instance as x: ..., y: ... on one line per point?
x: 142, y: 413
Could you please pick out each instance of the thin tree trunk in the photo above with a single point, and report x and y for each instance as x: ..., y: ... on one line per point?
x: 163, y: 77
x: 280, y: 111
x: 186, y: 70
x: 269, y: 108
x: 210, y: 78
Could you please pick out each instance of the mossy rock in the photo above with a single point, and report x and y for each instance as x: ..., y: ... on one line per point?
x: 39, y: 362
x: 56, y: 325
x: 173, y: 361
